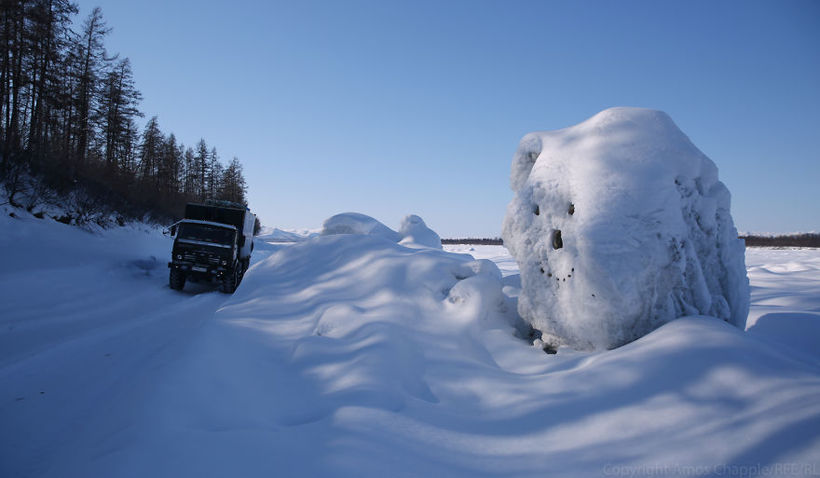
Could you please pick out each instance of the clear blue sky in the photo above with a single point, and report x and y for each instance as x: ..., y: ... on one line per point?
x: 390, y: 108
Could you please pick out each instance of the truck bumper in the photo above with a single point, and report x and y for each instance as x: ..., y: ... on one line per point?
x: 201, y: 269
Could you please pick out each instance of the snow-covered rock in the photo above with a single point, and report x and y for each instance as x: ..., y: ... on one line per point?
x: 416, y: 233
x: 619, y: 224
x: 357, y: 223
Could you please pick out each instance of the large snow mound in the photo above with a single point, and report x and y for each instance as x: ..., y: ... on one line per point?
x: 619, y: 224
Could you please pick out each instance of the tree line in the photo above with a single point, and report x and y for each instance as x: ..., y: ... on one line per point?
x: 483, y: 241
x: 70, y: 121
x: 792, y: 240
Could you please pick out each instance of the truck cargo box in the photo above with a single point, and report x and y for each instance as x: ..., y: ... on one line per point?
x: 206, y: 212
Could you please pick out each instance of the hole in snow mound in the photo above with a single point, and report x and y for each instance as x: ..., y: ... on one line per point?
x: 571, y: 210
x: 535, y: 338
x: 557, y: 242
x: 537, y: 210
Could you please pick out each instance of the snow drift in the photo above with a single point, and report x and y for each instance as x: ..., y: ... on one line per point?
x: 619, y: 224
x: 415, y: 232
x: 282, y: 235
x: 356, y: 223
x: 412, y: 233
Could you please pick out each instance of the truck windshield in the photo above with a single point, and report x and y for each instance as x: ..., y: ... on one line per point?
x: 205, y: 233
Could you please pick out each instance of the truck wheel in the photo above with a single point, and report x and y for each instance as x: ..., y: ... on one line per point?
x: 176, y: 279
x: 230, y: 281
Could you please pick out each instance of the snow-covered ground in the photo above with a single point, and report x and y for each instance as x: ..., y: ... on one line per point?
x: 356, y: 356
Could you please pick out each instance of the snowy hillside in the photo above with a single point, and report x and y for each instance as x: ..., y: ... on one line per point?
x: 352, y: 355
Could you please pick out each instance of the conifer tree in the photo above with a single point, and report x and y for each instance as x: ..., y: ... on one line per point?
x: 150, y: 153
x: 201, y: 159
x: 233, y: 183
x: 214, y: 175
x: 91, y: 59
x: 190, y: 186
x: 117, y: 108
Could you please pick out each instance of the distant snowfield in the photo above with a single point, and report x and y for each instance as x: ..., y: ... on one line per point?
x: 354, y: 356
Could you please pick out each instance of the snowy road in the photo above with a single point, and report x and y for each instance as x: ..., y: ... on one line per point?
x: 88, y: 323
x: 351, y: 358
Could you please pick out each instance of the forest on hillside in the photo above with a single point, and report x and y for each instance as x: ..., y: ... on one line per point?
x: 70, y: 125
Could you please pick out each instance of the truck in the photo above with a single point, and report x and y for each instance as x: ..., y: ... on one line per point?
x: 213, y: 243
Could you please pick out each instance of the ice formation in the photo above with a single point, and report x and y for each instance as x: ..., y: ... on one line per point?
x: 415, y: 232
x: 619, y: 224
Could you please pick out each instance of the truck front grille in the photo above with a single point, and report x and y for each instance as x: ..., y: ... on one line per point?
x: 201, y: 258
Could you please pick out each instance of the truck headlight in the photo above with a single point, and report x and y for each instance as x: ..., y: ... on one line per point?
x: 179, y: 257
x: 224, y: 262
